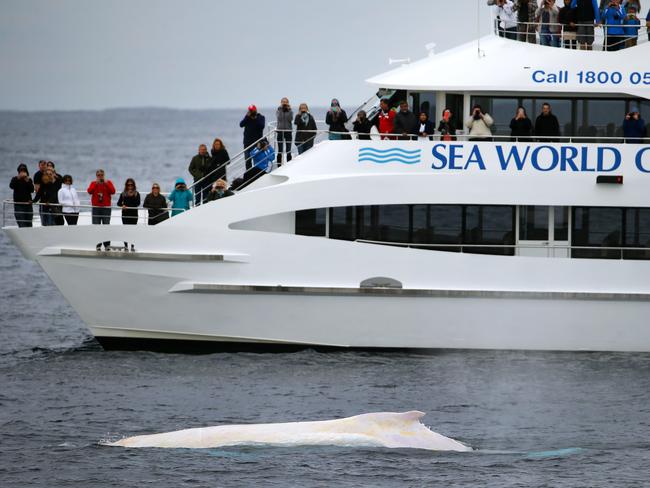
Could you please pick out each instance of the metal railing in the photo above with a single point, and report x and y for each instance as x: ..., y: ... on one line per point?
x: 550, y: 248
x: 84, y: 216
x: 523, y: 30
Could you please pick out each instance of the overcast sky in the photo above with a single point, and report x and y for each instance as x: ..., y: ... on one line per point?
x: 94, y: 54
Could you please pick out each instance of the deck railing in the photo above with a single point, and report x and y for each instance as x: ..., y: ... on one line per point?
x: 610, y: 252
x: 523, y: 31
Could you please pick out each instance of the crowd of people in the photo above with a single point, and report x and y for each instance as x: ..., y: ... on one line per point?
x: 59, y: 201
x: 571, y: 25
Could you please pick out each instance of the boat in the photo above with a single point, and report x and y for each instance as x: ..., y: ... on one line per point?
x: 403, y: 244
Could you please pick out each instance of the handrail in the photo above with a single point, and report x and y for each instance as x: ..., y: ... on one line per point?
x: 501, y: 31
x: 548, y: 247
x: 59, y: 213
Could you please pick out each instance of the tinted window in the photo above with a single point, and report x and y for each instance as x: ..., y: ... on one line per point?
x: 637, y: 232
x: 600, y: 118
x: 490, y: 224
x: 310, y: 222
x: 561, y: 219
x: 596, y: 227
x: 438, y: 224
x: 343, y: 223
x: 533, y: 223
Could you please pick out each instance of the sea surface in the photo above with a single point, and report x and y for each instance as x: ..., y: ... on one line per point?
x: 535, y: 419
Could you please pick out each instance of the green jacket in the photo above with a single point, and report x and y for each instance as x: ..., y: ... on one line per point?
x: 199, y: 166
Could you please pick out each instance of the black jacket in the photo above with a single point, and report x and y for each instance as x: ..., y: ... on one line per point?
x: 47, y: 193
x: 521, y: 127
x: 362, y: 128
x: 129, y: 215
x: 217, y: 164
x: 23, y: 189
x: 406, y: 123
x: 337, y: 122
x: 548, y: 126
x: 301, y: 135
x: 199, y: 165
x: 429, y: 128
x: 447, y: 128
x: 253, y: 128
x: 213, y: 195
x: 157, y: 208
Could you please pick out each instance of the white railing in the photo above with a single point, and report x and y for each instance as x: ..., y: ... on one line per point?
x: 550, y: 248
x: 566, y: 33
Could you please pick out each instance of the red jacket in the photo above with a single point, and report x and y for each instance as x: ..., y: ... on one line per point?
x: 386, y: 121
x: 101, y: 193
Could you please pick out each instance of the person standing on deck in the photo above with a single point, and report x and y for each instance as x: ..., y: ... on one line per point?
x: 305, y: 129
x: 547, y: 127
x: 23, y: 188
x: 69, y: 201
x: 284, y: 118
x: 385, y: 119
x: 180, y: 197
x: 156, y: 205
x: 100, y: 192
x: 253, y: 124
x: 587, y: 15
x: 336, y: 119
x: 198, y: 169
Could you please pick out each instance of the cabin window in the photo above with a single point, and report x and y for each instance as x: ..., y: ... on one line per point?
x: 597, y: 227
x: 533, y: 223
x: 455, y: 102
x: 600, y: 118
x: 310, y: 222
x: 438, y: 224
x: 389, y: 223
x: 343, y: 223
x: 489, y: 224
x: 561, y: 223
x: 637, y: 232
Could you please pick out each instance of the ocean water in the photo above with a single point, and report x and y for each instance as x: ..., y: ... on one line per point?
x: 535, y: 419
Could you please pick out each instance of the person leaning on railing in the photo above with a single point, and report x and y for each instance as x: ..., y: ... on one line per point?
x: 23, y: 188
x: 218, y: 191
x: 156, y: 205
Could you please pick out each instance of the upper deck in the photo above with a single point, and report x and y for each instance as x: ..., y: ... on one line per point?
x: 497, y: 65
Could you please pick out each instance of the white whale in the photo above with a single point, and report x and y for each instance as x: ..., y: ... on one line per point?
x: 394, y: 430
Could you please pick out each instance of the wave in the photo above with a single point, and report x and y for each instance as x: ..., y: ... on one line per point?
x: 389, y: 160
x: 386, y: 429
x: 394, y: 150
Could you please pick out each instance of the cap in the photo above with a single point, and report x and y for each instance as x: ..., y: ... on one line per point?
x: 252, y: 108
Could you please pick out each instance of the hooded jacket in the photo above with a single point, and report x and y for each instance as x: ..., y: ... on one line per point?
x: 180, y: 199
x: 69, y: 199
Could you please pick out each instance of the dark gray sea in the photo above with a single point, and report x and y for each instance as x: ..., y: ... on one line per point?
x: 536, y: 419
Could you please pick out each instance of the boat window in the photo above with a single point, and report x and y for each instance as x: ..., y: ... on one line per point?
x: 438, y: 224
x: 533, y: 223
x: 597, y: 227
x: 390, y: 223
x: 427, y: 104
x: 310, y: 222
x: 637, y: 232
x: 561, y: 223
x: 343, y: 223
x: 489, y: 224
x: 600, y: 118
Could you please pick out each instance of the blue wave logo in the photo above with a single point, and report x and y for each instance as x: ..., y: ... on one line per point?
x: 393, y: 155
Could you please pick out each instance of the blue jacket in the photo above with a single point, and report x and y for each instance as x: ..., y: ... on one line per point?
x: 574, y: 4
x: 253, y: 128
x: 613, y: 19
x: 180, y: 199
x: 632, y: 27
x: 263, y: 159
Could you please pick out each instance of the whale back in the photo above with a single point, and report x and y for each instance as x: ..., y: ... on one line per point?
x: 382, y: 429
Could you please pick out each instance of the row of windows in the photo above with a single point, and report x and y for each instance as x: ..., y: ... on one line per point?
x: 490, y: 225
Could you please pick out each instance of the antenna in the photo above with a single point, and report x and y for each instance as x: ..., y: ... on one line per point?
x: 478, y: 29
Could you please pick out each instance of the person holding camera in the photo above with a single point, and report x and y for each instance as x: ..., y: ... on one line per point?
x: 632, y: 24
x: 23, y: 188
x: 479, y: 125
x: 521, y: 128
x: 549, y: 30
x: 447, y: 126
x: 506, y: 12
x: 262, y: 157
x: 284, y: 117
x: 634, y: 129
x: 100, y: 191
x: 526, y: 26
x: 613, y: 18
x: 180, y: 197
x: 253, y: 124
x: 47, y: 196
x: 362, y: 126
x: 305, y: 129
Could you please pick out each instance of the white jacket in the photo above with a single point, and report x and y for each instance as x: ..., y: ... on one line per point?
x: 69, y: 199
